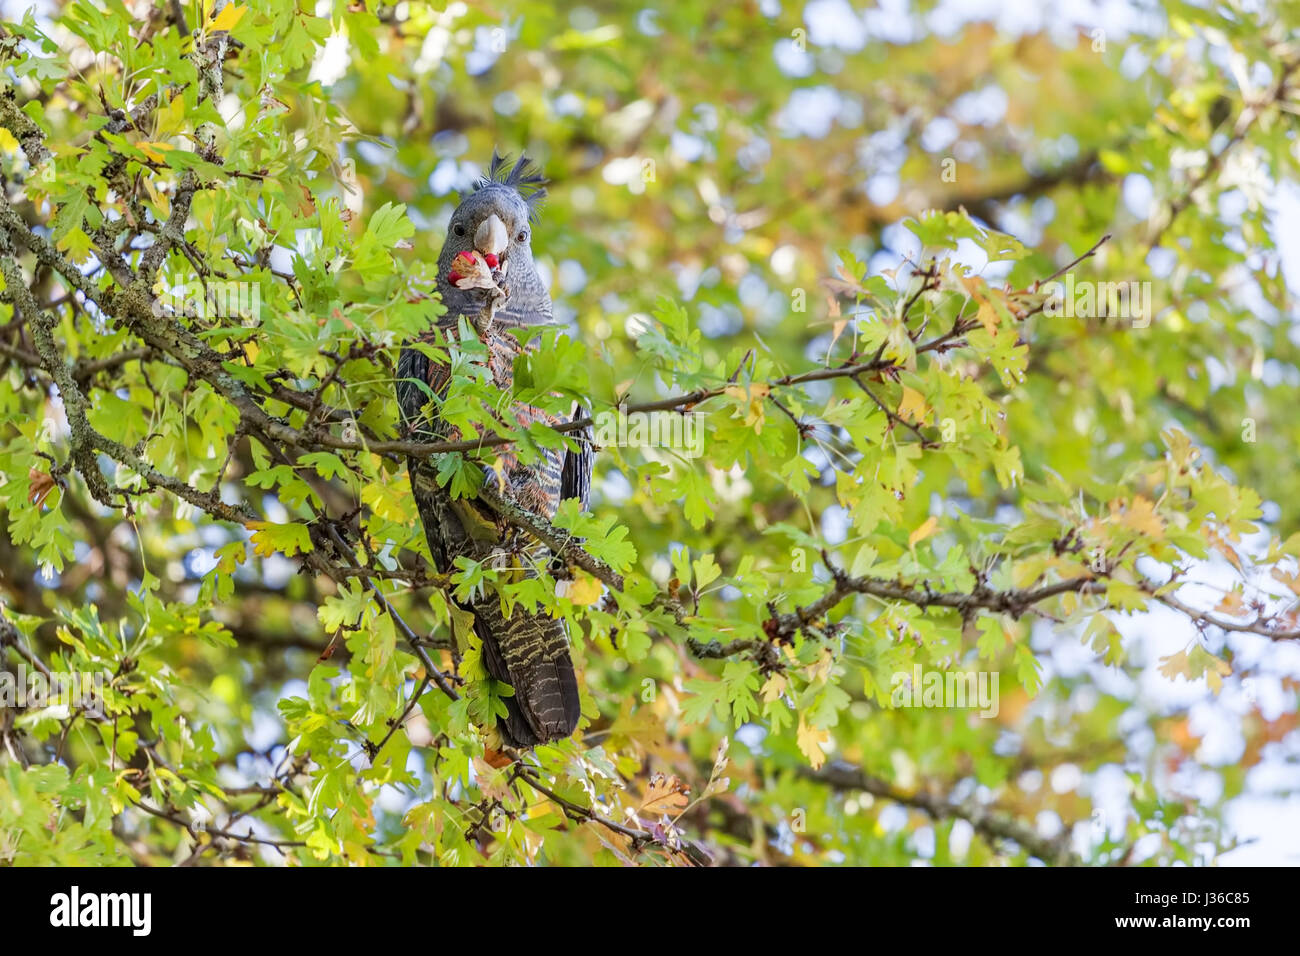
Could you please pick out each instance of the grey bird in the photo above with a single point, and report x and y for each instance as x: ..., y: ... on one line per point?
x: 486, y: 275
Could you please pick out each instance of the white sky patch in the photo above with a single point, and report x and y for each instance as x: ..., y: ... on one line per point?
x: 1268, y: 830
x: 331, y: 62
x: 834, y: 23
x: 1138, y: 194
x: 938, y: 134
x: 688, y: 148
x: 792, y: 61
x: 983, y: 107
x: 810, y: 112
x: 1285, y: 229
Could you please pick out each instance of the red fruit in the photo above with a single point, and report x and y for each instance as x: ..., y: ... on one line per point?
x: 461, y: 266
x: 491, y: 259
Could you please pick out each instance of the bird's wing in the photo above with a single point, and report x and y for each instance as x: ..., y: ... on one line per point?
x: 575, y: 479
x: 421, y: 379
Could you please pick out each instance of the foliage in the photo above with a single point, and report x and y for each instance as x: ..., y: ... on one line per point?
x: 833, y: 254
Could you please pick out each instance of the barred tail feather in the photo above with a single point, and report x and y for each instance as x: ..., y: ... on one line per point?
x: 530, y: 652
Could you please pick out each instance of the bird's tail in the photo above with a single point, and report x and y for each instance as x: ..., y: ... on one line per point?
x: 528, y: 651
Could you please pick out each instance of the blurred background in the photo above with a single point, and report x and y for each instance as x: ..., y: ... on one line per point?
x: 726, y: 156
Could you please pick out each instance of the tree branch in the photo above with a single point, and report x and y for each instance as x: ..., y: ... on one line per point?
x: 989, y: 823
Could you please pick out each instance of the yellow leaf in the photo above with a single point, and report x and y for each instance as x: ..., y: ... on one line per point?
x: 977, y: 288
x: 171, y: 118
x: 1201, y: 663
x: 753, y: 396
x: 1214, y: 677
x: 1140, y: 516
x: 923, y: 532
x: 774, y: 688
x: 231, y: 556
x: 155, y: 150
x: 159, y: 199
x: 7, y: 141
x: 665, y: 793
x: 1219, y: 544
x: 913, y: 407
x: 1175, y: 665
x: 1232, y: 603
x: 270, y: 537
x: 585, y: 590
x: 462, y: 626
x: 385, y: 498
x: 812, y: 741
x: 1292, y: 581
x: 228, y: 17
x: 747, y: 392
x: 76, y: 244
x: 819, y: 670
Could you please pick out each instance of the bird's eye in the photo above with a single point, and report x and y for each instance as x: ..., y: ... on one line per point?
x: 523, y: 236
x: 458, y: 229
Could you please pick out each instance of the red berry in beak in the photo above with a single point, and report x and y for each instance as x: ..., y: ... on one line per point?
x: 461, y: 266
x: 491, y: 259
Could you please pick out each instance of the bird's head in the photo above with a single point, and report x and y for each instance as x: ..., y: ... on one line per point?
x: 490, y: 233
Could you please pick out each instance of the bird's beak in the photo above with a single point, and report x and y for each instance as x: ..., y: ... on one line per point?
x: 490, y: 237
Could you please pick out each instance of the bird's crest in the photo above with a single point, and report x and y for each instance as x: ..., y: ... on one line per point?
x: 523, y: 177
